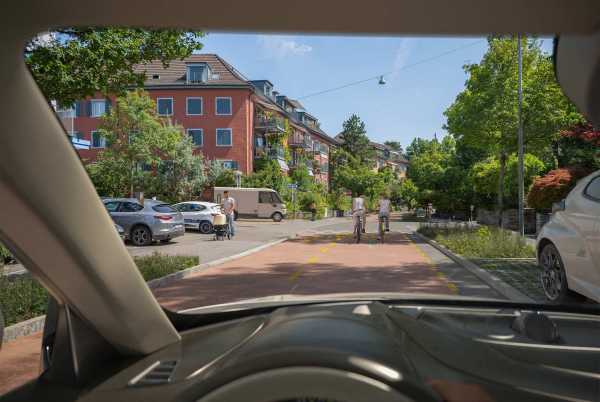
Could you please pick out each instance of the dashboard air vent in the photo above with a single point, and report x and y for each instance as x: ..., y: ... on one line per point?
x: 158, y: 373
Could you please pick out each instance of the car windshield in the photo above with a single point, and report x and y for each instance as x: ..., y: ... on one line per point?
x: 345, y: 166
x: 164, y: 208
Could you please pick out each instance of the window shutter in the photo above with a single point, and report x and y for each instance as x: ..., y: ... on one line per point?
x: 108, y: 106
x: 88, y: 108
x: 78, y: 109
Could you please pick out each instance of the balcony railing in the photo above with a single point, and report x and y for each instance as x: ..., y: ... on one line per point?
x: 299, y: 141
x: 268, y: 124
x: 276, y: 153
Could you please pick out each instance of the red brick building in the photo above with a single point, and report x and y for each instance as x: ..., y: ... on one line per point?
x: 224, y: 113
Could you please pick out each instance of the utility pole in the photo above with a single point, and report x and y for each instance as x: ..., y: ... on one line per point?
x: 520, y: 134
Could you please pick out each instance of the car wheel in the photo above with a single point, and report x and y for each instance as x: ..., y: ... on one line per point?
x: 277, y: 217
x: 141, y: 236
x: 554, y: 277
x: 205, y: 227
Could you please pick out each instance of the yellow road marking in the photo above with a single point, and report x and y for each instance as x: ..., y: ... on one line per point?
x: 453, y: 288
x: 296, y: 274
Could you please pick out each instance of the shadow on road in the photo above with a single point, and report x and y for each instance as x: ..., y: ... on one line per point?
x: 235, y: 283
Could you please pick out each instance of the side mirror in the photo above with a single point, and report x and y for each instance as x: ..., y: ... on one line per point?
x: 559, y: 206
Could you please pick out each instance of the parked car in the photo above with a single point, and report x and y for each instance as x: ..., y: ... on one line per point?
x: 420, y: 213
x: 120, y: 231
x: 143, y: 224
x: 568, y: 246
x: 254, y: 202
x: 198, y: 215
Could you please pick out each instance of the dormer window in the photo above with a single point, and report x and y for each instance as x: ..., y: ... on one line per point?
x: 197, y: 73
x: 268, y: 90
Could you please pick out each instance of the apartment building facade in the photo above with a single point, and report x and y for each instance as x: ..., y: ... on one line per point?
x: 227, y: 116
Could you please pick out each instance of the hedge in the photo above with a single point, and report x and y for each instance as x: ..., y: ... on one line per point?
x: 22, y: 297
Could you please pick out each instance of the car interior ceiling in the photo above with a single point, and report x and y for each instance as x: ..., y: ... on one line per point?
x: 104, y: 314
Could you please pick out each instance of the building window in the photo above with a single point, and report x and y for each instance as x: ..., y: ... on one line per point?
x: 197, y: 73
x: 97, y: 107
x: 98, y: 141
x: 164, y: 106
x: 197, y: 136
x: 223, y: 106
x: 224, y: 137
x: 233, y: 165
x: 194, y: 106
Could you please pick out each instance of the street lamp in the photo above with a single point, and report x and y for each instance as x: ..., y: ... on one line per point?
x: 520, y: 141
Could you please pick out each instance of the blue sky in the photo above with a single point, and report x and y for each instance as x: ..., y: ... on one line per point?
x: 410, y: 105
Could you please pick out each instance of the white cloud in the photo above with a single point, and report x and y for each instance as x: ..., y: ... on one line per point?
x: 279, y: 47
x: 402, y: 53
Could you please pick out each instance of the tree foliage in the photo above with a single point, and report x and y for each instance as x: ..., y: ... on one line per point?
x: 394, y: 145
x: 355, y: 140
x: 554, y: 186
x: 579, y: 146
x: 484, y: 116
x: 73, y: 63
x: 145, y: 153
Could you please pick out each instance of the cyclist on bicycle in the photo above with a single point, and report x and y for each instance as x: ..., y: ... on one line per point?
x: 384, y: 211
x: 358, y: 211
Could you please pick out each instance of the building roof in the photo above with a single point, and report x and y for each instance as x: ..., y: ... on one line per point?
x: 223, y: 73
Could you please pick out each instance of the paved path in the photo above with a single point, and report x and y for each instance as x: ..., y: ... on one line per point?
x: 323, y: 260
x: 328, y: 261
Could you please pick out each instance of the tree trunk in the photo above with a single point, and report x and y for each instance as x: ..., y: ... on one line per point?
x: 501, y: 187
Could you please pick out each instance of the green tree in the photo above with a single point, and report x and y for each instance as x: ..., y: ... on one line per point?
x: 485, y: 176
x: 182, y: 175
x: 484, y: 115
x: 137, y: 141
x: 406, y: 193
x: 394, y: 145
x: 72, y: 63
x: 355, y: 140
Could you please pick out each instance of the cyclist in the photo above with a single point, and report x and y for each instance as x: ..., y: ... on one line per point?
x: 384, y: 212
x: 358, y: 211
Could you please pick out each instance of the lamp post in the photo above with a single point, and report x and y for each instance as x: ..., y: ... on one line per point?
x: 520, y: 140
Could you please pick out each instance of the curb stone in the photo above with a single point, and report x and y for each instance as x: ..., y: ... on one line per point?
x: 493, y: 281
x: 36, y: 324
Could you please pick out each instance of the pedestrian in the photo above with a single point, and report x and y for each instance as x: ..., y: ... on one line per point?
x: 229, y: 206
x: 313, y: 210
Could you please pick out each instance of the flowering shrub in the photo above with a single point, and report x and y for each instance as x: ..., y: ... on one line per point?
x: 554, y: 186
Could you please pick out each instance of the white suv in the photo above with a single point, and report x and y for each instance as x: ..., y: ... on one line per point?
x: 569, y: 244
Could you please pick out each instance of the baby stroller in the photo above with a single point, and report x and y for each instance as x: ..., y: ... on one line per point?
x: 221, y: 227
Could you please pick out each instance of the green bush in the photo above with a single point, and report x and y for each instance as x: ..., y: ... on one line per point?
x: 22, y: 297
x: 480, y: 242
x: 158, y: 265
x: 5, y: 255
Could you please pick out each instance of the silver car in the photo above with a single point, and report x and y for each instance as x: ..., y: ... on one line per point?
x: 142, y: 224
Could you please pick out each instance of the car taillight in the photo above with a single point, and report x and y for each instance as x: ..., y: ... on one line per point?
x: 163, y: 217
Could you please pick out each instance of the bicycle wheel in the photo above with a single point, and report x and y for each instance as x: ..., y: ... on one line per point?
x: 381, y: 230
x: 358, y: 230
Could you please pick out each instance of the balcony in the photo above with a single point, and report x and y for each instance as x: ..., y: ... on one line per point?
x: 276, y: 153
x: 269, y: 124
x: 298, y: 140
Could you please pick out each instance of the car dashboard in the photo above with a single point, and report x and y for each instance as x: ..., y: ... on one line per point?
x: 371, y: 351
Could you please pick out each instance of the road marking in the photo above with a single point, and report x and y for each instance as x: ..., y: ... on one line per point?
x: 296, y: 274
x: 433, y: 266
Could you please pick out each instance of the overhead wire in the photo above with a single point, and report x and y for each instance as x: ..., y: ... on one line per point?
x: 405, y: 67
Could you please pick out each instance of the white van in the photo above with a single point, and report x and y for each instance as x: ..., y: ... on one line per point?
x: 254, y: 202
